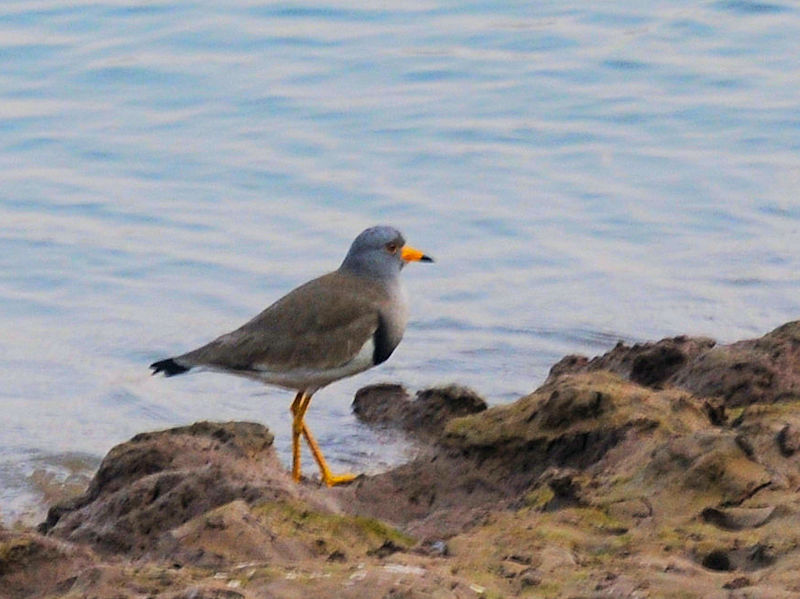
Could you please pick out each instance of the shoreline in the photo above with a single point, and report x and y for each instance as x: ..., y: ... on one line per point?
x: 668, y: 468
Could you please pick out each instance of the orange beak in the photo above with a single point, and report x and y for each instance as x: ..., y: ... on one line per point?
x: 409, y: 254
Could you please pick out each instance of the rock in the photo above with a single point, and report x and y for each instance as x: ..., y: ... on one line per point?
x: 158, y: 481
x: 573, y: 421
x: 788, y: 440
x: 33, y: 565
x: 737, y: 583
x: 496, y: 457
x: 713, y: 465
x: 434, y: 496
x: 648, y: 364
x: 425, y: 416
x: 572, y: 364
x: 661, y: 469
x: 762, y: 370
x: 188, y: 504
x: 653, y: 367
x: 208, y: 593
x: 283, y: 532
x: 384, y: 404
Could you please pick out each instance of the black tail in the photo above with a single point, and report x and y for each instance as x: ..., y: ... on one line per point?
x: 169, y: 367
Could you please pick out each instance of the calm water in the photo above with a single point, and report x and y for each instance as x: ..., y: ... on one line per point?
x: 583, y: 172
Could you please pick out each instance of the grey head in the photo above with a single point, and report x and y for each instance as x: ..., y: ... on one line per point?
x: 380, y: 252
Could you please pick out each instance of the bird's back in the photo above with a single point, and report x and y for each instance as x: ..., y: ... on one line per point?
x: 322, y: 324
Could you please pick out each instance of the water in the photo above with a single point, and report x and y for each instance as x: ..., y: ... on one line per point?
x: 583, y: 173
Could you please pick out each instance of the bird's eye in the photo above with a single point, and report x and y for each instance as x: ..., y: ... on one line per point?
x: 391, y: 248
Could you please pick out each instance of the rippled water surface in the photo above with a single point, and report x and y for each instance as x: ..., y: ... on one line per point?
x: 583, y: 172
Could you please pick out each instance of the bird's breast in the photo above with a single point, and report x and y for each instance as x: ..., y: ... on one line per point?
x: 392, y: 321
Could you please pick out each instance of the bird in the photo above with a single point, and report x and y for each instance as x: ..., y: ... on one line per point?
x: 335, y: 326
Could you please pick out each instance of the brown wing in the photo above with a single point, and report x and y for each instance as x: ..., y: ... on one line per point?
x: 322, y: 324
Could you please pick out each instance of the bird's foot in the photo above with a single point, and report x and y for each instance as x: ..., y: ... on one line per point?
x: 337, y: 479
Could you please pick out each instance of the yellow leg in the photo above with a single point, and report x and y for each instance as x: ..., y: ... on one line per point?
x: 299, y: 408
x: 297, y: 428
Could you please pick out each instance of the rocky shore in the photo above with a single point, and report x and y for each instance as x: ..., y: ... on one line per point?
x: 666, y: 469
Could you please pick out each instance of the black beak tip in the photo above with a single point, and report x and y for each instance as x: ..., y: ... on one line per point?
x: 426, y: 258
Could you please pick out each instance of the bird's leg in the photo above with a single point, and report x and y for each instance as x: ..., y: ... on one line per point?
x: 328, y: 478
x: 299, y: 410
x: 297, y: 429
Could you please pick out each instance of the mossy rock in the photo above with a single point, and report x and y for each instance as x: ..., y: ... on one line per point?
x: 278, y: 532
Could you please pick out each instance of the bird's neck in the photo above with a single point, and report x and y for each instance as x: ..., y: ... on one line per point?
x: 353, y: 266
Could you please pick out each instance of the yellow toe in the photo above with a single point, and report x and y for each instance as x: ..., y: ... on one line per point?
x: 339, y: 479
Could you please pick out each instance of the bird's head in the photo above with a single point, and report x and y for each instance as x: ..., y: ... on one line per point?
x: 381, y: 252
